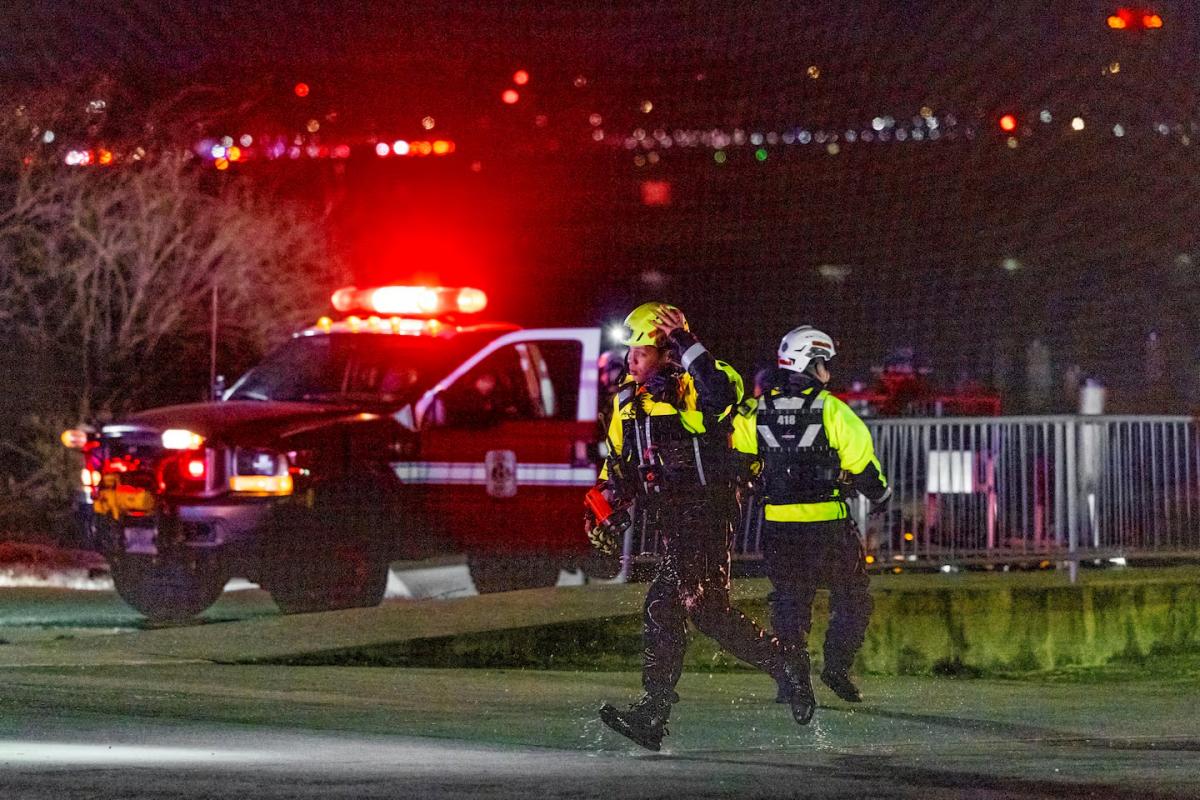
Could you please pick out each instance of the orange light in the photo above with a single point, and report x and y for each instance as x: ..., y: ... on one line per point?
x: 234, y: 153
x: 471, y: 301
x: 520, y: 77
x: 1152, y: 21
x: 195, y: 468
x: 441, y: 147
x: 908, y: 537
x: 106, y: 157
x: 1116, y: 23
x: 301, y: 90
x: 510, y: 96
x: 73, y: 439
x: 222, y: 163
x: 1008, y: 123
x: 870, y: 559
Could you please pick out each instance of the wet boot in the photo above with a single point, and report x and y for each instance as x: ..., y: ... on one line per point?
x: 795, y: 686
x: 645, y: 722
x: 839, y: 681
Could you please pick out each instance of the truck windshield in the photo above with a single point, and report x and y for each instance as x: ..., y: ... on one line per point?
x: 351, y: 367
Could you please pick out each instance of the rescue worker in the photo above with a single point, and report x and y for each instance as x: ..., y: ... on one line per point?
x: 669, y: 446
x: 813, y: 451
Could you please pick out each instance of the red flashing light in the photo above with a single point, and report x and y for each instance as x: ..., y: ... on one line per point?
x: 510, y: 96
x: 520, y: 77
x: 195, y: 468
x: 418, y: 301
x: 301, y: 90
x: 1008, y: 123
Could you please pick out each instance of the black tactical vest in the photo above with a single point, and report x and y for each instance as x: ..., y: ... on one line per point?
x: 799, y: 465
x: 666, y: 457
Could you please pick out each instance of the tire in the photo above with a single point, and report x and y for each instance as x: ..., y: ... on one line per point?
x: 169, y: 588
x: 503, y: 573
x: 340, y: 574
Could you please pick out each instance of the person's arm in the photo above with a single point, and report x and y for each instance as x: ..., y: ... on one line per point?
x: 856, y: 452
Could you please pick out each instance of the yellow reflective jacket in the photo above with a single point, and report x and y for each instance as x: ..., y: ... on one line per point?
x: 847, y: 435
x: 688, y: 409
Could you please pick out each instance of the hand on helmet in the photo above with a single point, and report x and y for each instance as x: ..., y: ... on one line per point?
x: 668, y: 321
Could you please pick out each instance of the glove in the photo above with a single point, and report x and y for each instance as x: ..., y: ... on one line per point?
x: 604, y: 540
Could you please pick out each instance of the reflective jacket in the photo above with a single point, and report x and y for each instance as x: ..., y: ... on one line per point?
x: 843, y: 443
x: 683, y: 444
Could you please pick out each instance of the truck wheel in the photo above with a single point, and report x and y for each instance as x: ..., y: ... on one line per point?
x: 497, y: 573
x: 341, y: 574
x: 169, y: 588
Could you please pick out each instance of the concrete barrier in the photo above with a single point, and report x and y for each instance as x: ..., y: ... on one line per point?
x: 966, y: 624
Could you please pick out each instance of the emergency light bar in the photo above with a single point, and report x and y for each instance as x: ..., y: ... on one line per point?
x: 412, y: 301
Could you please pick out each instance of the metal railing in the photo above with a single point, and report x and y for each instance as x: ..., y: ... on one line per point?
x: 1001, y: 489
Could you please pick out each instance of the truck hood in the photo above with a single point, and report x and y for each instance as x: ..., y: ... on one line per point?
x: 238, y: 421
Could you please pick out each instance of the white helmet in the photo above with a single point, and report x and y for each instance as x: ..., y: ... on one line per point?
x: 801, y: 345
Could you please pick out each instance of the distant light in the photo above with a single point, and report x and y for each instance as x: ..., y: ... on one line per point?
x: 833, y: 148
x: 382, y: 149
x: 598, y: 135
x: 639, y: 161
x: 1119, y: 561
x: 870, y: 559
x: 1116, y: 23
x: 48, y: 137
x: 656, y: 193
x: 1114, y: 67
x: 813, y: 72
x: 301, y: 90
x: 1077, y: 124
x: 218, y: 151
x: 313, y: 126
x: 1118, y: 130
x: 427, y: 123
x: 441, y: 147
x: 106, y: 157
x: 246, y: 140
x: 908, y: 537
x: 1152, y: 21
x: 400, y: 147
x: 1011, y: 264
x: 580, y: 81
x: 520, y: 77
x: 719, y: 157
x: 1012, y: 143
x: 1045, y: 116
x: 596, y: 120
x: 647, y: 106
x: 926, y: 111
x: 234, y: 153
x: 222, y: 163
x: 1008, y: 123
x: 761, y: 154
x: 877, y: 123
x: 341, y: 151
x: 510, y: 96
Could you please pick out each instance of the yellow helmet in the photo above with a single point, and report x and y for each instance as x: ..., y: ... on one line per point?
x: 639, y: 325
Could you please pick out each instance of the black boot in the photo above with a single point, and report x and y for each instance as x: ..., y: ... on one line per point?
x: 839, y: 681
x: 646, y: 720
x: 795, y: 686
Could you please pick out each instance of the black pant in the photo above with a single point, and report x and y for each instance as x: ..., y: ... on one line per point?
x: 692, y: 582
x: 801, y: 557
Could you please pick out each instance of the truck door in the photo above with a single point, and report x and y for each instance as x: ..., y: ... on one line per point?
x: 506, y: 444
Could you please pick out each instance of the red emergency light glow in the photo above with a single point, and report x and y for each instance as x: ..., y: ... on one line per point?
x: 1008, y: 123
x: 1127, y: 18
x: 510, y: 96
x: 195, y: 468
x: 416, y: 301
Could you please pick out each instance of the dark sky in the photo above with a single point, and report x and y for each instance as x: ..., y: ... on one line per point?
x: 1103, y: 227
